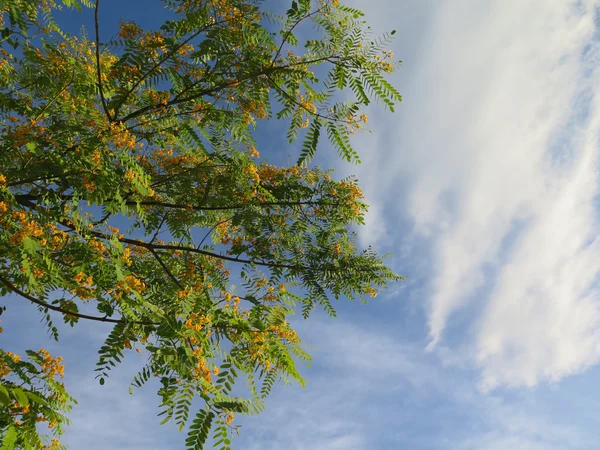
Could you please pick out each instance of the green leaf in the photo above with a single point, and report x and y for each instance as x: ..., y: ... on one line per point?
x: 20, y: 396
x: 29, y: 245
x: 165, y: 420
x: 36, y: 398
x: 10, y: 438
x: 4, y: 396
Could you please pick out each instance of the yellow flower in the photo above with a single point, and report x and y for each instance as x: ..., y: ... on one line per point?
x: 14, y: 357
x: 80, y: 276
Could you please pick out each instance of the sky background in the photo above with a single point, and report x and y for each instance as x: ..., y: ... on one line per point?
x: 484, y: 186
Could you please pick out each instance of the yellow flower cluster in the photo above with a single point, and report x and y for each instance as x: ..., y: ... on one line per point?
x: 27, y: 228
x: 386, y: 66
x: 4, y: 369
x: 115, y: 231
x: 13, y: 356
x: 88, y: 185
x: 133, y: 283
x: 370, y: 290
x: 97, y: 246
x: 252, y: 170
x: 201, y: 369
x: 127, y: 256
x: 129, y: 30
x: 197, y: 321
x: 254, y: 108
x: 52, y: 365
x: 256, y: 344
x: 130, y: 284
x: 158, y: 97
x: 229, y: 299
x: 283, y: 331
x: 54, y: 445
x: 270, y: 296
x: 121, y: 137
x: 59, y: 237
x: 81, y: 276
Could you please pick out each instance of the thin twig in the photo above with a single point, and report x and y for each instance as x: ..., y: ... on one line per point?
x: 213, y: 229
x: 165, y: 268
x: 56, y: 96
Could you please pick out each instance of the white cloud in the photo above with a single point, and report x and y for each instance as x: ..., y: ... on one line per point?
x: 371, y: 389
x: 540, y: 321
x: 352, y: 395
x: 498, y: 153
x: 508, y: 95
x: 514, y: 429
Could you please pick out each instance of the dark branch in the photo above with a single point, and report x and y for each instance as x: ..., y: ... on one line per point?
x: 183, y: 248
x: 25, y: 197
x: 158, y: 64
x: 166, y: 269
x: 98, y: 70
x: 42, y: 303
x: 150, y: 246
x: 289, y: 32
x: 178, y: 99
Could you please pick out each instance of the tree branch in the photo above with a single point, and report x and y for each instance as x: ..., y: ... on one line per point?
x: 150, y: 246
x: 177, y: 100
x: 166, y: 269
x: 25, y: 197
x: 42, y: 303
x: 158, y: 64
x: 98, y: 70
x: 183, y: 248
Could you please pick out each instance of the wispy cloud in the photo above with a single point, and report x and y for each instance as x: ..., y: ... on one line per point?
x: 496, y: 151
x: 350, y: 397
x: 371, y: 389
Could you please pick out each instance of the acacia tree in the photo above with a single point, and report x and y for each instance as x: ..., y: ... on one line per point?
x: 132, y: 192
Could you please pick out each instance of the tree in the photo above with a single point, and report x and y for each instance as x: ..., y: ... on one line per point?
x: 131, y: 192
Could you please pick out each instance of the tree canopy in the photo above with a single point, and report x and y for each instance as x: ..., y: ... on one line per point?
x: 132, y: 191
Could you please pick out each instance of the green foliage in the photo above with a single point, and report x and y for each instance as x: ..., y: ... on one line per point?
x: 130, y: 182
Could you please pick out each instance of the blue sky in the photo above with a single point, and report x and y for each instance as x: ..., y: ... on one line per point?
x: 484, y: 185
